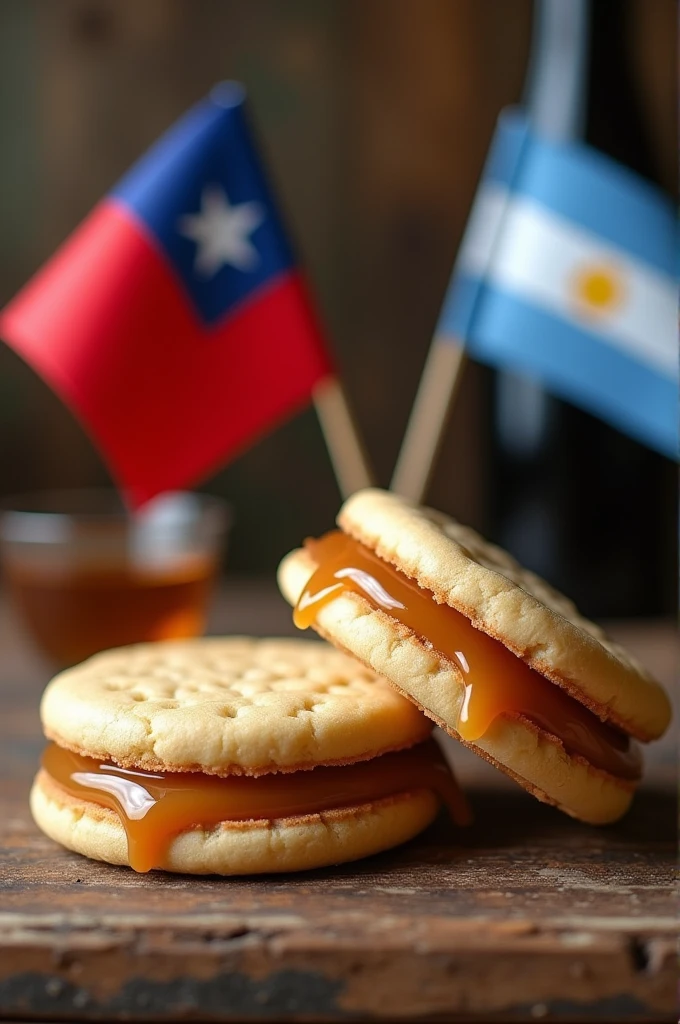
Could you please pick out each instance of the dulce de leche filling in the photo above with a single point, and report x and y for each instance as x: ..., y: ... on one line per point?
x: 155, y: 807
x: 496, y: 681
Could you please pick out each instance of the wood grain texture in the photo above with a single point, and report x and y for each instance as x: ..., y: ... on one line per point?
x: 527, y: 915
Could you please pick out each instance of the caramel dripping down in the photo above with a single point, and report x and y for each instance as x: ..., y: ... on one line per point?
x: 496, y: 681
x: 155, y: 807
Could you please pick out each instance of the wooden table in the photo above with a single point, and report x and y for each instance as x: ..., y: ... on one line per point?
x: 525, y: 916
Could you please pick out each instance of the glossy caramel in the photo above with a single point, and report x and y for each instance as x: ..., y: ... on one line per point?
x: 155, y: 807
x: 496, y: 681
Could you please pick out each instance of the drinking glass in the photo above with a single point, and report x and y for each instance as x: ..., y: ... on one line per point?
x: 86, y: 574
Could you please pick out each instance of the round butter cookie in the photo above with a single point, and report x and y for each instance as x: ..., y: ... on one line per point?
x: 565, y: 700
x: 231, y: 756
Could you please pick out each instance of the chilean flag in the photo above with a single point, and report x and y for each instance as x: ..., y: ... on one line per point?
x: 174, y: 322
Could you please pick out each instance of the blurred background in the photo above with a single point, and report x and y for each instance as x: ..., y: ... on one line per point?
x: 375, y: 117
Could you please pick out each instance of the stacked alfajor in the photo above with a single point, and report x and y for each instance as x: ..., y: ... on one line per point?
x: 234, y: 756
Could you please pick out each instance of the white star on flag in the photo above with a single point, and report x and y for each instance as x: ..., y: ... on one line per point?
x: 222, y: 232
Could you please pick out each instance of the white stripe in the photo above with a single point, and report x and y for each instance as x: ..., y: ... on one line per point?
x: 483, y: 227
x: 529, y: 251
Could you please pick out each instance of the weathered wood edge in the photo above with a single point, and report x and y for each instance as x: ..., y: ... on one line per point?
x: 242, y: 968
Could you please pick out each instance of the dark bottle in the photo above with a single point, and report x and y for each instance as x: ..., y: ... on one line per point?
x: 582, y: 504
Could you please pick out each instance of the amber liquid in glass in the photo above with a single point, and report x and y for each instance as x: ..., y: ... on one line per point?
x: 74, y: 612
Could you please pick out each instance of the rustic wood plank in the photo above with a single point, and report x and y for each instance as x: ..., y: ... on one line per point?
x: 524, y: 916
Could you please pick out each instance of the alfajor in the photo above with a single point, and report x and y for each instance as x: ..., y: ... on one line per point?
x: 485, y: 648
x: 234, y: 756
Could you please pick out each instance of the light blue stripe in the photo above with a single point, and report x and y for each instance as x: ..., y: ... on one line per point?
x: 457, y: 314
x: 511, y: 138
x: 588, y: 188
x: 576, y: 365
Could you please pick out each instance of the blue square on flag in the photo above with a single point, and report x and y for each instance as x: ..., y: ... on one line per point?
x: 567, y: 273
x: 202, y: 194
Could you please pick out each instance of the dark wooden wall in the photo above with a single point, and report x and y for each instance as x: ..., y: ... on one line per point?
x: 376, y: 115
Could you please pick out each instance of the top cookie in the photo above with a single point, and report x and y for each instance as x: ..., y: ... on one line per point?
x: 228, y: 706
x: 511, y: 604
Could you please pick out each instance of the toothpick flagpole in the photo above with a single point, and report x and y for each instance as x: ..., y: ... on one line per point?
x: 555, y: 95
x: 434, y: 400
x: 347, y: 454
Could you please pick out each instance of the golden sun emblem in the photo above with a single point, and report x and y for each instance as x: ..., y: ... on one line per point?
x: 598, y: 289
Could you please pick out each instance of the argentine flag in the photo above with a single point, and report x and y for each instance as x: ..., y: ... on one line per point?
x: 567, y: 273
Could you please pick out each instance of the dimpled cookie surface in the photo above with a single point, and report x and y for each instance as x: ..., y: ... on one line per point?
x: 227, y: 706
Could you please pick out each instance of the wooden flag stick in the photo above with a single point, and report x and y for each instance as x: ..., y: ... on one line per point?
x: 347, y: 453
x: 434, y: 400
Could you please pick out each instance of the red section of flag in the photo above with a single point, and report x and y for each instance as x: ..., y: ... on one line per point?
x: 106, y: 324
